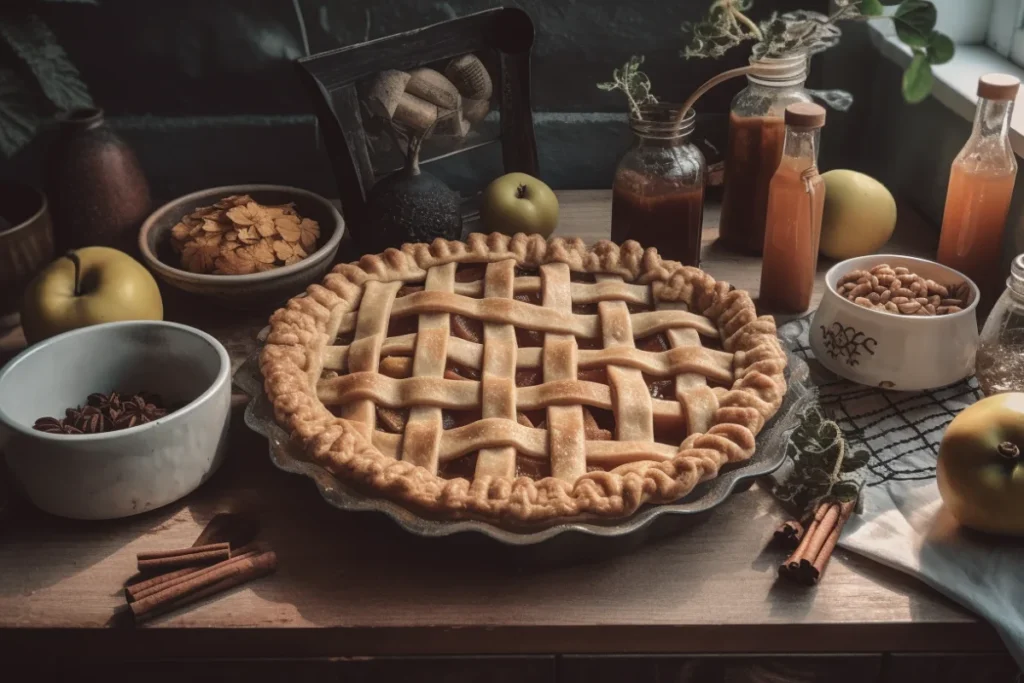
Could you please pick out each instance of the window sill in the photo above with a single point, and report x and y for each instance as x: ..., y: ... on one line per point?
x: 956, y: 82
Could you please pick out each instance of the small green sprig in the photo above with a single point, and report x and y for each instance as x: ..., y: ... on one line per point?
x: 823, y: 467
x: 633, y: 83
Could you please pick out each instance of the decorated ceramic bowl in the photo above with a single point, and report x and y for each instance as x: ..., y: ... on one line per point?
x: 116, y: 473
x: 893, y: 351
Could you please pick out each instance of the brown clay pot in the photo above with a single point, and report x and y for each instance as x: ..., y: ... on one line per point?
x: 97, y: 191
x: 26, y: 244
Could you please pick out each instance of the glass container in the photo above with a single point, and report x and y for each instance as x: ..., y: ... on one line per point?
x: 796, y: 199
x: 658, y: 191
x: 756, y: 134
x: 1000, y: 361
x: 980, y: 189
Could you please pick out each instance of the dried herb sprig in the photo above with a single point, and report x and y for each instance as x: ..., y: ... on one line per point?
x: 824, y: 468
x: 633, y: 83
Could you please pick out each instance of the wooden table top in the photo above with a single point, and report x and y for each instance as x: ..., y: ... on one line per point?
x: 355, y: 584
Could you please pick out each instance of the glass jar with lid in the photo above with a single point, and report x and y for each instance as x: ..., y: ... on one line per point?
x: 757, y: 131
x: 1000, y: 361
x: 658, y: 191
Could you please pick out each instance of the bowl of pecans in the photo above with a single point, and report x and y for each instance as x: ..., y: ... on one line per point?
x: 250, y: 246
x: 115, y: 419
x: 896, y: 322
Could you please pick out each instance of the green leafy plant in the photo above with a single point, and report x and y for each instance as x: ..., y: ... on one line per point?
x: 37, y: 79
x: 727, y: 25
x: 824, y: 469
x: 633, y: 83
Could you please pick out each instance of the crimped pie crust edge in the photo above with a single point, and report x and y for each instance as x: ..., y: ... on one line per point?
x: 291, y: 363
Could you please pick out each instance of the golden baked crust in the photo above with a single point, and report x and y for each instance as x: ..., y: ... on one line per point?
x: 722, y: 421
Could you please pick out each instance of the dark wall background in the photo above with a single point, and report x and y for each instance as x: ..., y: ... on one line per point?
x: 206, y: 92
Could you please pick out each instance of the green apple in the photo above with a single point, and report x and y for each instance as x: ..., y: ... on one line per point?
x: 517, y: 202
x: 859, y: 215
x: 980, y: 469
x: 87, y: 287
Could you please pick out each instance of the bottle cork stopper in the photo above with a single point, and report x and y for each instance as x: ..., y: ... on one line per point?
x: 998, y: 87
x: 805, y: 115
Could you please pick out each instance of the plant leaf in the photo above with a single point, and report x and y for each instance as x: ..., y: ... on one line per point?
x: 36, y: 45
x: 915, y: 21
x: 940, y: 48
x: 917, y: 79
x: 855, y: 461
x: 890, y: 3
x: 19, y: 107
x: 846, y: 491
x: 871, y: 8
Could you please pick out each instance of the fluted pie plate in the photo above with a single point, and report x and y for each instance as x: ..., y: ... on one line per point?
x: 522, y: 383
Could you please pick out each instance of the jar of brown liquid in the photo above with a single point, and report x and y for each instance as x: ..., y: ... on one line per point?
x: 756, y: 134
x: 658, y: 192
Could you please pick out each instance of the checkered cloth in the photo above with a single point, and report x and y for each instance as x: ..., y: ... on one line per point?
x: 902, y: 522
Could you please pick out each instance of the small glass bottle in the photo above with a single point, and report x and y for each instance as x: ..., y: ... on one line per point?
x: 658, y: 191
x: 796, y: 199
x: 1000, y: 360
x: 756, y: 132
x: 980, y: 189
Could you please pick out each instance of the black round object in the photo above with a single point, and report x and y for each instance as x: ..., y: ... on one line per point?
x: 412, y: 207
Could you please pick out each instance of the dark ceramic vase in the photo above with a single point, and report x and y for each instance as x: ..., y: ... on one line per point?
x: 97, y: 191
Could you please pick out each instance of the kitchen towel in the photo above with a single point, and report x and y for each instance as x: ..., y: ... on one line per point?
x: 903, y: 523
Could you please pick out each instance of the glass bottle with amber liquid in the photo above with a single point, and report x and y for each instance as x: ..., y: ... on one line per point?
x: 756, y: 134
x: 796, y: 199
x: 980, y: 189
x: 658, y: 191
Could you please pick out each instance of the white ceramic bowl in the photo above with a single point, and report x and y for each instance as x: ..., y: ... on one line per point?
x: 905, y: 353
x: 122, y: 473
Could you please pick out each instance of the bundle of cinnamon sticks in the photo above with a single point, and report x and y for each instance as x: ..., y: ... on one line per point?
x: 814, y: 545
x: 171, y: 579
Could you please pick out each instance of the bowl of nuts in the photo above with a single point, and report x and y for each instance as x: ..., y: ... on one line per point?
x: 250, y: 246
x: 896, y: 322
x: 113, y: 420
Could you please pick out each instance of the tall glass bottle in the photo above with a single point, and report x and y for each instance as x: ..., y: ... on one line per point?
x: 658, y: 192
x: 796, y: 199
x: 980, y: 188
x: 756, y: 133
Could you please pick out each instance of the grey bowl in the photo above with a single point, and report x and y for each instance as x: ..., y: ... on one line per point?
x: 122, y: 473
x: 258, y: 290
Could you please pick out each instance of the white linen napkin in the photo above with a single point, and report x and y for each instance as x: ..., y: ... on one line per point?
x: 903, y: 523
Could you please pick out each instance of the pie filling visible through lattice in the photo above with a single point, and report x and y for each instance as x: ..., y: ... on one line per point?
x: 523, y: 381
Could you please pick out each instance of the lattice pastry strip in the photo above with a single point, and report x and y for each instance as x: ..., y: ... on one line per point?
x: 566, y: 435
x: 634, y: 418
x: 364, y: 351
x: 692, y: 391
x: 422, y: 438
x: 498, y: 382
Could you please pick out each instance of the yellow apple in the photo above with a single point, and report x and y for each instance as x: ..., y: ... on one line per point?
x: 859, y: 215
x: 517, y: 202
x: 87, y: 287
x: 980, y: 469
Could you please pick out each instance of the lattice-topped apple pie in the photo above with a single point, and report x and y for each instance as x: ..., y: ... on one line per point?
x: 521, y: 380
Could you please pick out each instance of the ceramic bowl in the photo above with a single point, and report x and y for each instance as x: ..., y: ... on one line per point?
x: 122, y: 473
x: 258, y: 290
x: 26, y: 245
x: 901, y: 352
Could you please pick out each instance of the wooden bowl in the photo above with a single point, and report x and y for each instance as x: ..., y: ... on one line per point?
x: 257, y: 290
x: 25, y: 247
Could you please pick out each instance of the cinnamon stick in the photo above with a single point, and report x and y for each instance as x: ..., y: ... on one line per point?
x: 808, y: 561
x: 203, y: 584
x: 166, y: 560
x: 133, y: 589
x: 790, y: 533
x: 135, y: 593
